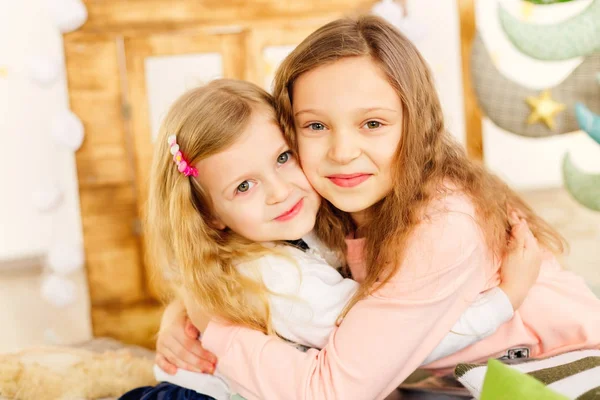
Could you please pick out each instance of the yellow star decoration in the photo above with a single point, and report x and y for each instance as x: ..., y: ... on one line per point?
x: 3, y: 71
x: 543, y: 108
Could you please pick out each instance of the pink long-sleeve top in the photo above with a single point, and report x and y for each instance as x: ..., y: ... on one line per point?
x: 388, y: 335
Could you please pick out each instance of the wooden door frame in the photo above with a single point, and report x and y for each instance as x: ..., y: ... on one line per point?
x: 473, y: 116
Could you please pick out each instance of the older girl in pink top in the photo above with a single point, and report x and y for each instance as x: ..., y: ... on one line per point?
x: 422, y: 227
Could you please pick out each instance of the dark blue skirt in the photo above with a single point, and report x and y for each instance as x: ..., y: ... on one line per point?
x: 164, y: 391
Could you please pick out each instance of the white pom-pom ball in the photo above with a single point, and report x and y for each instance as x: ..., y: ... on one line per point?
x: 64, y: 259
x: 46, y: 198
x: 68, y: 15
x: 43, y: 70
x: 67, y: 129
x: 58, y: 291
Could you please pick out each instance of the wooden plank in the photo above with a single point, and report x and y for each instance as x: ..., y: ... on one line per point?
x: 104, y: 167
x: 472, y: 112
x: 112, y: 249
x: 131, y: 16
x: 95, y: 97
x: 136, y: 324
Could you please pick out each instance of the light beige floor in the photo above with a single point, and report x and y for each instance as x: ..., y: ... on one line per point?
x: 27, y: 320
x: 580, y: 226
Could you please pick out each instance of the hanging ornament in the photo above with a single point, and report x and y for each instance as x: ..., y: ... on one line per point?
x: 502, y: 99
x: 58, y: 291
x: 68, y: 15
x: 585, y: 188
x: 43, y: 70
x: 575, y: 37
x: 543, y: 109
x: 588, y: 121
x: 396, y: 13
x: 46, y: 197
x: 64, y: 259
x: 67, y: 130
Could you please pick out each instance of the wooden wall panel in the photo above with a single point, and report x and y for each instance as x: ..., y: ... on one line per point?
x: 108, y: 202
x: 128, y: 16
x: 107, y: 199
x: 95, y: 96
x: 113, y: 255
x: 136, y: 324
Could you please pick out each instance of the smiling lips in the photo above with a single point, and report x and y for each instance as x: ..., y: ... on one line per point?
x: 341, y: 180
x: 292, y: 212
x: 348, y: 180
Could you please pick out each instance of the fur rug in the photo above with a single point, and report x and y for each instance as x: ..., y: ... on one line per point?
x: 60, y: 373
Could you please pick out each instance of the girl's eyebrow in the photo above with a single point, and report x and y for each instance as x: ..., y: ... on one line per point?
x: 307, y: 111
x: 364, y: 110
x: 369, y: 109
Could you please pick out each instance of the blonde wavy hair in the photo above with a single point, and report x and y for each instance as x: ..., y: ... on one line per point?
x: 426, y: 155
x: 181, y: 240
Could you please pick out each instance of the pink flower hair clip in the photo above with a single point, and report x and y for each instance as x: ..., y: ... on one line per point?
x: 182, y: 165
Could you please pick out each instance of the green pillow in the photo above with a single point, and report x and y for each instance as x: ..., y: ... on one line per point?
x: 505, y: 383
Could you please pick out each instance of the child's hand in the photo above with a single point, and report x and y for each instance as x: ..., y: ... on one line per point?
x: 177, y: 345
x: 522, y: 262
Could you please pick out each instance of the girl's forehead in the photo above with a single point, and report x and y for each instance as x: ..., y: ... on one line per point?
x: 349, y: 83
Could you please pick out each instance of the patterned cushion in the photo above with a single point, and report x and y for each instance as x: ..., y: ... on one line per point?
x: 575, y: 375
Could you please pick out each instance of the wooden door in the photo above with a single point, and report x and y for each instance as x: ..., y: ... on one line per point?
x: 119, y: 303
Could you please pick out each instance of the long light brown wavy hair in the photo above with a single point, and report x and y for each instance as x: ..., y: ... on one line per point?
x: 426, y: 155
x: 183, y: 244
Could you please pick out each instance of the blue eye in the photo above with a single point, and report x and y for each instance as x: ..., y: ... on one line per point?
x: 316, y: 126
x: 373, y: 124
x: 244, y: 186
x: 284, y: 157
